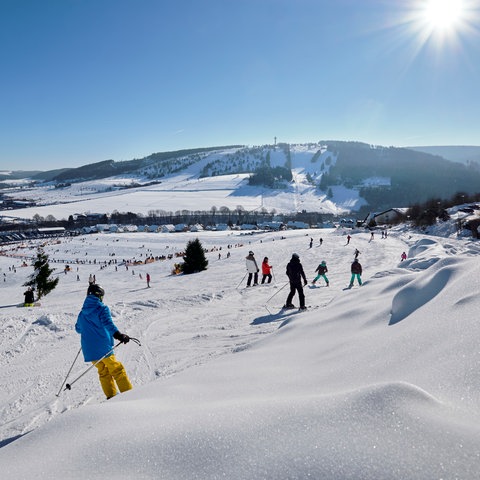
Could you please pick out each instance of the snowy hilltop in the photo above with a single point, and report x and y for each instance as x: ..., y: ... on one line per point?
x: 374, y: 382
x: 327, y: 177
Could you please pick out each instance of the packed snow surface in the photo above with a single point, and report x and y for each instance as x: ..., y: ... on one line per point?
x: 375, y: 382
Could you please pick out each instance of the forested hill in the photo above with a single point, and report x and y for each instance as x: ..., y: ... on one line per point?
x: 385, y: 177
x: 154, y: 165
x: 414, y: 176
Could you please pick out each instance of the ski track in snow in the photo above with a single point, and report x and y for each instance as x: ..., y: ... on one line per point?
x: 176, y: 320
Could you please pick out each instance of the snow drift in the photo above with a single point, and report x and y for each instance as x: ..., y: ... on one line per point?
x: 370, y: 383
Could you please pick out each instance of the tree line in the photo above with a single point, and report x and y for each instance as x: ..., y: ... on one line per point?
x: 223, y: 215
x: 427, y: 213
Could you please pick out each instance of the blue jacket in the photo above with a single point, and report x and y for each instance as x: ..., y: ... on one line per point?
x: 96, y: 327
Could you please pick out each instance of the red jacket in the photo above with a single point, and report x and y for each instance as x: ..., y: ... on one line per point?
x: 266, y: 268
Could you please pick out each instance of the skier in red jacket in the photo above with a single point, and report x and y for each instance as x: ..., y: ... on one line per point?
x: 266, y: 270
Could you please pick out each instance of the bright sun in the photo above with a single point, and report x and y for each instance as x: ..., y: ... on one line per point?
x: 436, y: 25
x: 443, y: 15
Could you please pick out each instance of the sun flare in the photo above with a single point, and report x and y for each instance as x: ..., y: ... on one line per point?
x: 441, y: 24
x: 443, y: 14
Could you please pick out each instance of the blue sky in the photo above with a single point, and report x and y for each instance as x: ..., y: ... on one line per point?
x: 89, y: 80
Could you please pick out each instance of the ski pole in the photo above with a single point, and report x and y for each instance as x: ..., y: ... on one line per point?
x: 278, y: 291
x: 68, y: 386
x: 241, y: 280
x: 69, y: 371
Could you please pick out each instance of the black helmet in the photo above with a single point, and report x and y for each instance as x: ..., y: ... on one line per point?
x: 250, y: 252
x: 96, y: 290
x: 295, y: 255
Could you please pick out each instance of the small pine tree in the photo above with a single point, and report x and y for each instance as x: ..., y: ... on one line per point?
x: 194, y: 259
x: 40, y: 278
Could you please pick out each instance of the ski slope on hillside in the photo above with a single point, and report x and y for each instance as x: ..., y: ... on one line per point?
x: 373, y: 382
x: 186, y: 190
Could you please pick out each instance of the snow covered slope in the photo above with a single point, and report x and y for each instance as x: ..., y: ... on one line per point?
x: 375, y: 382
x: 189, y: 190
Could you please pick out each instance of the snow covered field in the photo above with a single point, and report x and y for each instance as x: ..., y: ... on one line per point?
x: 377, y: 382
x: 187, y: 190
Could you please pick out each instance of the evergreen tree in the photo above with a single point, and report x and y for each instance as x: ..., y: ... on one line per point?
x: 40, y: 278
x: 194, y: 259
x: 324, y: 182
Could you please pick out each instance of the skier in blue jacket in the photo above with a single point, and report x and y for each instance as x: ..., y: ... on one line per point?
x: 97, y: 330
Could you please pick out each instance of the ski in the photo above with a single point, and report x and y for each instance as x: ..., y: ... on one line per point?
x: 296, y: 309
x: 36, y: 304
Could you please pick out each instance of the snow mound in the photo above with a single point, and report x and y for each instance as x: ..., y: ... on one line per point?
x: 47, y: 322
x: 421, y: 291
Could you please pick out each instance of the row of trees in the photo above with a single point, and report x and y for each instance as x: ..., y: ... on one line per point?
x: 427, y: 213
x: 270, y: 177
x: 231, y: 217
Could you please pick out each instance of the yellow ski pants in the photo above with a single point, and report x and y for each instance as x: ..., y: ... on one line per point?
x: 111, y: 372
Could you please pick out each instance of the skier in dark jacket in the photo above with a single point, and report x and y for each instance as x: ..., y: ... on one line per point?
x: 296, y: 274
x: 322, y: 270
x: 356, y: 270
x: 97, y: 330
x: 29, y: 297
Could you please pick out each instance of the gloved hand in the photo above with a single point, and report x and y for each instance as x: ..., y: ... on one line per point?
x: 121, y: 337
x: 305, y: 284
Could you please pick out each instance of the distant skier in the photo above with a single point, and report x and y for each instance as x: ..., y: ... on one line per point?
x: 97, y: 330
x: 29, y: 297
x: 404, y: 256
x: 266, y: 271
x: 295, y: 275
x: 311, y: 242
x: 321, y: 241
x: 322, y: 270
x: 356, y: 253
x: 356, y: 270
x: 148, y: 280
x: 252, y: 269
x: 348, y: 239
